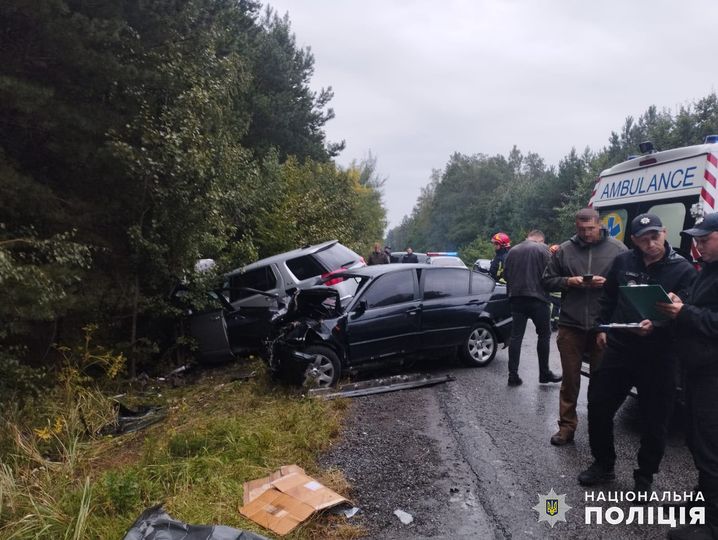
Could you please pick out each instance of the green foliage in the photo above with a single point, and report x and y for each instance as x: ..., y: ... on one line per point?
x: 286, y: 114
x: 119, y: 491
x: 140, y: 137
x: 480, y: 248
x: 318, y: 202
x: 476, y: 196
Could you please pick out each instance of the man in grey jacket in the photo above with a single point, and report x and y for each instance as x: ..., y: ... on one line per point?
x: 578, y: 270
x: 524, y: 267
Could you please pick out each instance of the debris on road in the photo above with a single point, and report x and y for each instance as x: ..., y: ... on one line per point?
x: 286, y: 498
x: 404, y: 517
x: 130, y: 420
x: 380, y: 385
x: 346, y: 510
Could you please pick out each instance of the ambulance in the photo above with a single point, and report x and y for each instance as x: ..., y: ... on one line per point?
x: 679, y: 186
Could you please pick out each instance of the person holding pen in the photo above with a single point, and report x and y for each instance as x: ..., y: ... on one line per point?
x: 696, y: 319
x: 639, y: 357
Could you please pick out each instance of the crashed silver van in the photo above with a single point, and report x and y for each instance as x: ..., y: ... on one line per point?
x: 281, y: 275
x: 240, y: 316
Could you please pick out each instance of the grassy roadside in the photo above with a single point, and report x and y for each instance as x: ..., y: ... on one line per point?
x: 218, y: 433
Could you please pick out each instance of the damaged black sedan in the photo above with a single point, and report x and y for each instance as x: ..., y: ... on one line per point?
x: 398, y: 312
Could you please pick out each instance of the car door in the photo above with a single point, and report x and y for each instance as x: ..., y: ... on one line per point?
x: 209, y: 329
x: 264, y: 278
x: 448, y: 312
x: 386, y: 318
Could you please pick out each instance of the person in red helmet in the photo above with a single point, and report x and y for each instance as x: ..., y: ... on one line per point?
x: 502, y: 243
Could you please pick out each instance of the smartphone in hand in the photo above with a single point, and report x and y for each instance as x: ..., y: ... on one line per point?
x: 587, y: 278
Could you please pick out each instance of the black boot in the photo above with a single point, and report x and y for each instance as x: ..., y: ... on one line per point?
x: 597, y: 473
x: 549, y: 376
x: 642, y: 485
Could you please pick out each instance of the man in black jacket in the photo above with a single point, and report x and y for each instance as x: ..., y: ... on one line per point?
x: 410, y: 256
x: 578, y: 269
x: 525, y: 264
x: 697, y: 326
x: 639, y: 357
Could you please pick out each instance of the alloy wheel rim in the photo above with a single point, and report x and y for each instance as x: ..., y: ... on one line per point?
x: 481, y: 344
x: 320, y: 372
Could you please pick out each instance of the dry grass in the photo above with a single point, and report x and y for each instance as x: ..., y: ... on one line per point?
x: 218, y: 434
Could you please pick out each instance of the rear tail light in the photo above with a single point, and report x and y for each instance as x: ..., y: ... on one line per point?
x: 329, y: 282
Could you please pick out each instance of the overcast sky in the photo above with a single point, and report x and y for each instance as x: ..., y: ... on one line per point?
x: 415, y: 81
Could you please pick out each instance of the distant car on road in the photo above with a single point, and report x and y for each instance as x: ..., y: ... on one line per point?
x: 482, y: 265
x: 396, y: 256
x: 398, y: 311
x: 446, y: 260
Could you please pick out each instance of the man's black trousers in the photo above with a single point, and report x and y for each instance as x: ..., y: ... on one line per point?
x: 652, y: 371
x: 702, y: 404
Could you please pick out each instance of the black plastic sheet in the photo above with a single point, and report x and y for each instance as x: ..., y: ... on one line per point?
x: 156, y: 524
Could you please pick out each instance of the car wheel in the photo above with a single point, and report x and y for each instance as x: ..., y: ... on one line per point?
x: 480, y: 347
x: 324, y: 370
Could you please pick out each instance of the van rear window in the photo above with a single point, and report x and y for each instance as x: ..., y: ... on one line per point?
x: 337, y: 256
x: 305, y: 267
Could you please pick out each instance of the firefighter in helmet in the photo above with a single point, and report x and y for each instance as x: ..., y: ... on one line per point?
x: 502, y: 243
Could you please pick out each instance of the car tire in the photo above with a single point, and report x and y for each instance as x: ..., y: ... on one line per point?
x: 480, y: 346
x: 325, y: 370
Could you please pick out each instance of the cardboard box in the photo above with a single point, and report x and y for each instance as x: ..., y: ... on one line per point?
x: 286, y: 498
x: 277, y: 511
x: 254, y: 488
x: 308, y: 490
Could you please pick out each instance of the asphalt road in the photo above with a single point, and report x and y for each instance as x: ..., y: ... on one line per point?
x: 469, y: 458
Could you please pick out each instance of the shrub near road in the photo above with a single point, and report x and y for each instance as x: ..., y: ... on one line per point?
x: 218, y: 433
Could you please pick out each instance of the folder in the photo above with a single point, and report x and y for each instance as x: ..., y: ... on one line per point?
x: 644, y: 298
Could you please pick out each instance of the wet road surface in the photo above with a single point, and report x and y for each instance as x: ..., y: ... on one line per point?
x: 468, y: 459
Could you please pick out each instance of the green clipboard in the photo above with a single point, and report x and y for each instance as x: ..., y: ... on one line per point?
x: 644, y: 298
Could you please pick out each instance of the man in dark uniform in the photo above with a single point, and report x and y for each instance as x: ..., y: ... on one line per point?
x: 410, y: 256
x: 639, y: 357
x: 696, y: 319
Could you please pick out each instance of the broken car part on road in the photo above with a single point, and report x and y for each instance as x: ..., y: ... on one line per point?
x: 381, y: 385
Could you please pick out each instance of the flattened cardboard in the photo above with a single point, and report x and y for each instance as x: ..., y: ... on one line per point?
x: 277, y: 511
x: 308, y: 490
x: 254, y: 488
x: 286, y: 498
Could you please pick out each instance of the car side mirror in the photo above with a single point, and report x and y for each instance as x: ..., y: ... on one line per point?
x: 361, y: 307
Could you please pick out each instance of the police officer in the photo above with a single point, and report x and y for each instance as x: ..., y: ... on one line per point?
x: 639, y: 357
x: 696, y: 317
x: 410, y: 256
